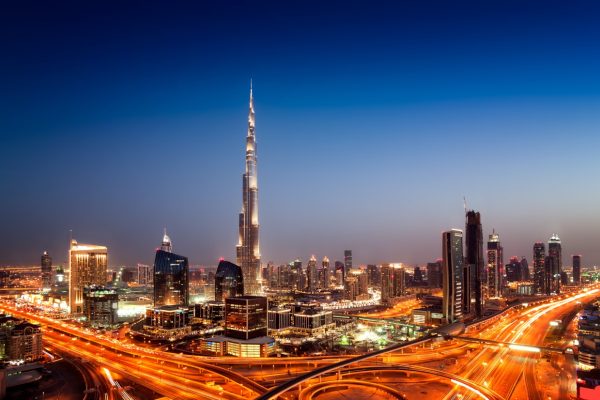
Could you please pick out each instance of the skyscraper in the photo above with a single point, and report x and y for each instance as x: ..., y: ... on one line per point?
x: 524, y: 269
x: 311, y: 274
x: 513, y: 270
x: 473, y: 268
x: 248, y: 249
x: 46, y: 264
x: 229, y: 281
x: 452, y: 275
x: 539, y: 272
x: 347, y: 262
x: 577, y: 269
x: 87, y: 266
x: 387, y: 276
x: 494, y: 265
x: 434, y: 274
x: 171, y: 279
x: 555, y: 250
x: 324, y: 273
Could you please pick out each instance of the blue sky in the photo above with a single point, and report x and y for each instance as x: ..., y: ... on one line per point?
x: 373, y: 121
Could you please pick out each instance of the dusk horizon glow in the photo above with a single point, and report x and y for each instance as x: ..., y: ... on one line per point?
x: 371, y: 127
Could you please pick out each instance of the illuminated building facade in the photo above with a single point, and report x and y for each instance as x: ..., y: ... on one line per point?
x: 473, y: 268
x: 452, y: 275
x: 324, y: 274
x: 171, y: 282
x: 555, y: 251
x: 311, y: 274
x: 577, y: 269
x: 347, y: 262
x: 46, y: 264
x: 229, y: 281
x: 87, y: 266
x: 245, y: 317
x: 100, y: 306
x: 495, y: 264
x: 145, y: 275
x: 20, y: 340
x: 513, y: 270
x: 539, y: 271
x: 248, y: 248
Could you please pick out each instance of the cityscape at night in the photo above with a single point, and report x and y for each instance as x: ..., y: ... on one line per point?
x: 417, y: 214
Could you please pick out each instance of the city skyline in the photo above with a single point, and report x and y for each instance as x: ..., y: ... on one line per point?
x: 359, y: 166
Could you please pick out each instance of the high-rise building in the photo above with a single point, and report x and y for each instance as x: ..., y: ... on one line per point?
x: 46, y: 264
x: 340, y: 273
x: 555, y: 250
x: 87, y: 266
x: 539, y: 272
x: 494, y: 265
x: 473, y: 268
x: 373, y: 274
x: 577, y: 269
x: 145, y: 275
x: 525, y: 276
x: 387, y: 276
x: 434, y: 273
x: 171, y: 279
x: 551, y: 276
x: 452, y: 275
x: 418, y: 275
x: 245, y: 317
x: 324, y: 274
x: 311, y: 274
x: 248, y: 248
x: 513, y: 270
x: 100, y: 306
x: 347, y: 262
x: 229, y: 281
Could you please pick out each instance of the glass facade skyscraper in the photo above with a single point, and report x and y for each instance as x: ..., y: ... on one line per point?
x: 577, y: 269
x: 229, y: 281
x: 171, y: 282
x: 474, y: 271
x: 539, y: 272
x: 495, y: 265
x: 46, y: 264
x: 87, y: 266
x: 452, y: 275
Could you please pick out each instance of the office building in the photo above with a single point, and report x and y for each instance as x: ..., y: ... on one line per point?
x: 248, y: 248
x: 324, y: 274
x: 311, y: 274
x: 539, y: 271
x: 374, y: 275
x: 100, y: 306
x: 513, y: 270
x: 452, y: 275
x: 46, y: 264
x: 525, y: 275
x: 87, y: 266
x: 245, y: 317
x: 495, y: 266
x: 340, y: 273
x: 473, y: 268
x: 347, y: 261
x: 551, y: 276
x: 171, y: 278
x: 577, y: 269
x: 555, y: 250
x: 434, y: 274
x: 229, y: 281
x: 145, y: 275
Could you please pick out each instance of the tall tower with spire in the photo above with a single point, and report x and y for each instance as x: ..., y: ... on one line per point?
x: 248, y: 249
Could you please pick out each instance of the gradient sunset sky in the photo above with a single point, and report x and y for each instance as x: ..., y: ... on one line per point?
x: 373, y: 120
